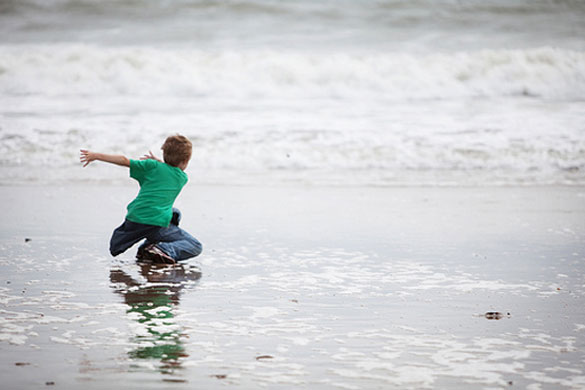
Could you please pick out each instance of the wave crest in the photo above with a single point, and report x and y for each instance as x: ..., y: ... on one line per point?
x: 92, y: 70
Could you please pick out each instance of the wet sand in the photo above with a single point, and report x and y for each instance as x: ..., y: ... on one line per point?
x: 316, y: 288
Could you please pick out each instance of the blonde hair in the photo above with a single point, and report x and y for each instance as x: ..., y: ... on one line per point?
x: 176, y: 150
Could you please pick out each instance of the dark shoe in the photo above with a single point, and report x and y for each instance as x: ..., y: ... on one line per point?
x: 156, y: 255
x: 140, y: 253
x: 176, y: 217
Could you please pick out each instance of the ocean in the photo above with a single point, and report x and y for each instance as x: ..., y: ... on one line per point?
x: 331, y: 92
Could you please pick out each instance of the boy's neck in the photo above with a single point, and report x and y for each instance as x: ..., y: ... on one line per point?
x: 182, y: 166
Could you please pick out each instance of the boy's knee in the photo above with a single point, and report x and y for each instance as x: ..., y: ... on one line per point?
x: 199, y: 248
x: 115, y: 252
x: 196, y: 248
x: 115, y: 249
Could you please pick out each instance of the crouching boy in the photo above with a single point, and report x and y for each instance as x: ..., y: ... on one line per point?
x: 151, y: 216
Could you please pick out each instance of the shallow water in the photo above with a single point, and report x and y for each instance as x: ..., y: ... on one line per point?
x: 342, y: 288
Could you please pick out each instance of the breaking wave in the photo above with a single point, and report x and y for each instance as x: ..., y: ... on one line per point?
x: 65, y: 70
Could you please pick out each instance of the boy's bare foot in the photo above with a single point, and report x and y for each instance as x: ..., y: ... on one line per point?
x: 156, y: 255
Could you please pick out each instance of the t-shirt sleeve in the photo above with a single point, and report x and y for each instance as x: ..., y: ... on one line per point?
x: 139, y: 168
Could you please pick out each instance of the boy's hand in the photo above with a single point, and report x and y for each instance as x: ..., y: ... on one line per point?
x: 150, y: 156
x: 86, y: 157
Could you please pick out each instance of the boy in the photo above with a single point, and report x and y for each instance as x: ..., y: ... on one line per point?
x: 151, y: 215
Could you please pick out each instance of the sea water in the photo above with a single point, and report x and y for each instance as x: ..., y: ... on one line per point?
x: 333, y: 92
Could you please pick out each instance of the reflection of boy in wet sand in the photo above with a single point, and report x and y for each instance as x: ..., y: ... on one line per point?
x: 152, y: 302
x: 151, y: 216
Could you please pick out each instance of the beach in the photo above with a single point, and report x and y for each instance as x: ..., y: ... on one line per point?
x: 389, y: 193
x: 315, y: 287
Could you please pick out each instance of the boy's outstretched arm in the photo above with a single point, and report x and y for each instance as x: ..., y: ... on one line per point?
x: 86, y: 157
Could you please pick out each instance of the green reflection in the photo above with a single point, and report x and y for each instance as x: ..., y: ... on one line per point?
x: 152, y: 298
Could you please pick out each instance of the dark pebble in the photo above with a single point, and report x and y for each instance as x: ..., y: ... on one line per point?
x: 496, y: 315
x: 170, y: 380
x: 264, y: 357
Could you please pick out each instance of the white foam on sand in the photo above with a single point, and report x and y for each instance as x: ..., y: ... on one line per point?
x: 326, y: 304
x: 324, y: 318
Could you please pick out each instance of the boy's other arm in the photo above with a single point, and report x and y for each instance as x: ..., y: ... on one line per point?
x: 150, y: 156
x: 86, y: 157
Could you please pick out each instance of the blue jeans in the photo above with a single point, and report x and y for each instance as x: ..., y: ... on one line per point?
x: 172, y: 240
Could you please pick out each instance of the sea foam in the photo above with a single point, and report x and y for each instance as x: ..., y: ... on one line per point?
x: 377, y: 118
x: 65, y: 70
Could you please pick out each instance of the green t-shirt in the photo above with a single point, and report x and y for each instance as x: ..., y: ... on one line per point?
x: 160, y: 184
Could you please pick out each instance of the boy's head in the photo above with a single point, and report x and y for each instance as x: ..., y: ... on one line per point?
x: 177, y: 151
